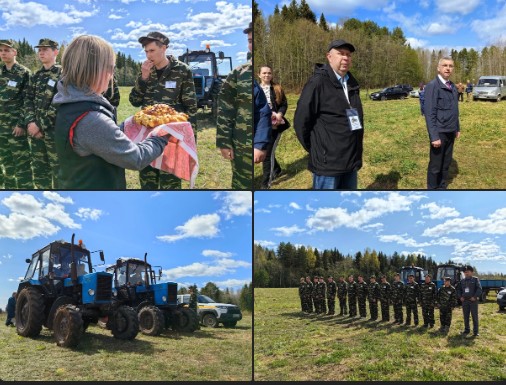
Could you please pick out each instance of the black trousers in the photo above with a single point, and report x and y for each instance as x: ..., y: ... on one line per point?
x: 439, y: 163
x: 267, y: 164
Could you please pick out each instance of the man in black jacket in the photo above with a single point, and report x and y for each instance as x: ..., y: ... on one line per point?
x: 442, y: 118
x: 329, y: 121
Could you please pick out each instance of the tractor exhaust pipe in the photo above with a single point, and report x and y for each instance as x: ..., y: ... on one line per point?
x: 146, y: 275
x: 73, y: 266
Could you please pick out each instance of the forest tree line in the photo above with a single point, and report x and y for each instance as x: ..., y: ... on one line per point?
x: 292, y: 39
x: 127, y: 69
x: 242, y: 298
x: 285, y: 266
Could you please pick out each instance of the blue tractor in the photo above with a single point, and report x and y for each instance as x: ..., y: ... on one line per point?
x: 209, y: 71
x: 452, y: 270
x: 61, y: 292
x: 156, y: 303
x: 418, y: 272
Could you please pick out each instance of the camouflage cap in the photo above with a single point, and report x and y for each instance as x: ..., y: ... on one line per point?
x: 9, y: 43
x: 448, y: 279
x: 154, y: 36
x: 249, y: 29
x: 47, y: 43
x: 372, y: 277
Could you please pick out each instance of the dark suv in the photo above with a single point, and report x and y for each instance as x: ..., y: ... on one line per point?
x: 390, y: 93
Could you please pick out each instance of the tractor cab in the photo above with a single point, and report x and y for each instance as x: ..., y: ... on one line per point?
x: 418, y: 272
x: 454, y: 271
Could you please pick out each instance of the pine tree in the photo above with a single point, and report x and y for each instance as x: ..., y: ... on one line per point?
x: 323, y: 23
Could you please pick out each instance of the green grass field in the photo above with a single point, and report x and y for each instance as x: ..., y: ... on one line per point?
x: 396, y: 148
x: 292, y: 346
x: 206, y: 355
x: 214, y: 171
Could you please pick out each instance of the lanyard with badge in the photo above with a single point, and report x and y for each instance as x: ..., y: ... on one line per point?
x: 352, y: 113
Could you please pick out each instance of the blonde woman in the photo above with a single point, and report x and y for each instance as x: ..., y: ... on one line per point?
x: 93, y: 151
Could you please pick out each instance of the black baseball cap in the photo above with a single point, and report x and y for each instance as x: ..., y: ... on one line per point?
x: 154, y: 36
x: 249, y: 29
x: 341, y: 44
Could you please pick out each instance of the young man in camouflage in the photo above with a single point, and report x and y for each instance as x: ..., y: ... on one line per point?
x: 308, y: 293
x: 362, y: 290
x: 385, y: 289
x: 412, y: 296
x: 314, y: 295
x: 342, y: 290
x: 302, y: 288
x: 428, y: 295
x: 373, y: 294
x: 40, y: 116
x: 322, y: 288
x: 163, y: 79
x: 397, y: 296
x: 446, y: 301
x: 234, y: 136
x: 331, y: 295
x: 14, y: 148
x: 352, y: 296
x: 194, y: 305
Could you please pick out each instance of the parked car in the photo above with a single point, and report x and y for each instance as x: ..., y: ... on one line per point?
x: 490, y: 87
x: 405, y: 87
x: 389, y: 93
x: 212, y: 313
x: 414, y: 93
x: 501, y: 299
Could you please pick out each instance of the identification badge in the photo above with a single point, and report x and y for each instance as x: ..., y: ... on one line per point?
x: 51, y: 83
x: 170, y: 84
x: 12, y: 83
x: 449, y: 292
x: 353, y: 119
x: 466, y: 290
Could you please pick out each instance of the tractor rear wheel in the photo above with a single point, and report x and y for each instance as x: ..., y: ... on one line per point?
x: 67, y: 326
x: 29, y: 312
x: 186, y: 320
x: 151, y: 321
x: 210, y: 320
x: 124, y: 323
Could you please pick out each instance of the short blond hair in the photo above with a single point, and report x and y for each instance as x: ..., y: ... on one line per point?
x: 85, y: 60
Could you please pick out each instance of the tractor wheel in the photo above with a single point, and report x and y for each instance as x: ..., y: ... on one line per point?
x: 67, y: 326
x: 29, y: 312
x: 186, y: 321
x: 230, y: 324
x: 151, y: 321
x: 210, y: 320
x: 124, y: 323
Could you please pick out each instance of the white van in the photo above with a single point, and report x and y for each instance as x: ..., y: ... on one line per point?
x: 491, y: 87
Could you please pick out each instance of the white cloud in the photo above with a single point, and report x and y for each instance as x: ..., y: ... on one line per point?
x: 457, y: 6
x: 232, y: 283
x: 262, y: 211
x: 374, y: 226
x: 199, y: 269
x: 408, y: 253
x: 495, y: 224
x: 416, y: 43
x: 87, y: 213
x: 295, y: 206
x: 439, y: 28
x: 117, y: 14
x: 57, y: 198
x: 200, y: 226
x: 215, y: 43
x: 216, y: 253
x: 20, y: 14
x: 348, y: 193
x: 241, y: 56
x: 235, y: 203
x: 491, y: 30
x: 346, y: 6
x: 403, y: 240
x: 439, y: 212
x: 287, y: 231
x: 266, y: 244
x: 309, y: 208
x: 274, y: 206
x: 330, y: 218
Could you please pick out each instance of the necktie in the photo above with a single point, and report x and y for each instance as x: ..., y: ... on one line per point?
x: 448, y: 85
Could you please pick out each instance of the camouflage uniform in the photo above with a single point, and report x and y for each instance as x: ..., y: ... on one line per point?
x: 362, y: 290
x: 385, y: 290
x: 314, y: 296
x: 428, y: 295
x: 321, y: 297
x: 14, y: 150
x: 194, y: 302
x: 175, y: 87
x: 397, y: 295
x: 373, y: 294
x: 308, y: 294
x: 446, y: 301
x: 331, y: 297
x: 411, y: 298
x: 38, y: 109
x: 352, y: 298
x: 113, y: 96
x: 302, y: 288
x: 234, y: 128
x: 342, y: 290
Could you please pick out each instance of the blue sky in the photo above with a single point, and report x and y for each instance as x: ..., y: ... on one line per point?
x: 196, y: 237
x: 188, y: 23
x: 466, y: 226
x: 433, y: 24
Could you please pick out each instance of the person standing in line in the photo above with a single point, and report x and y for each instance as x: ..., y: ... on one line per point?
x: 352, y: 296
x: 385, y: 290
x: 443, y: 125
x: 446, y: 301
x: 412, y: 297
x: 308, y: 295
x: 342, y: 290
x: 331, y: 295
x: 302, y: 288
x: 362, y: 290
x: 428, y: 296
x: 397, y: 295
x: 373, y: 294
x: 469, y: 291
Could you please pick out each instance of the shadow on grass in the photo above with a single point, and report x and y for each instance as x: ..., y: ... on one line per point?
x: 453, y: 171
x: 92, y: 343
x: 198, y: 334
x: 458, y: 340
x: 289, y: 171
x: 388, y: 181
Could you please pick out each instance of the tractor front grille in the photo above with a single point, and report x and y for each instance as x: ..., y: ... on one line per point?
x: 199, y: 86
x: 104, y: 288
x: 172, y: 294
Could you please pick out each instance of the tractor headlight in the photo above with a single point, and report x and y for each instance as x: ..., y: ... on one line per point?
x: 164, y: 298
x: 206, y: 89
x: 91, y: 292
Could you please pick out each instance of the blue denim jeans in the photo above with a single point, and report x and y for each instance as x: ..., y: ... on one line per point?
x: 347, y: 181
